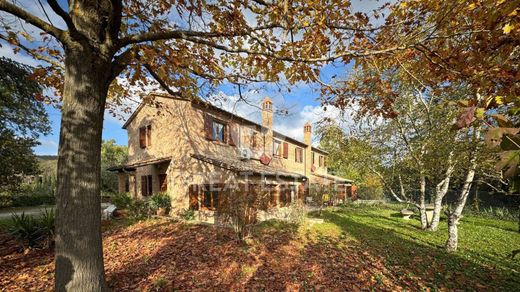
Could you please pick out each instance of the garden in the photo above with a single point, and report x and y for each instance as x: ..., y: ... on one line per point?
x: 357, y: 247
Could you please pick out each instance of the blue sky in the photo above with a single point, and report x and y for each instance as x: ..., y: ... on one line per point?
x: 302, y: 101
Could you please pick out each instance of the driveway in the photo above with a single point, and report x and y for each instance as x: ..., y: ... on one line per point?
x: 5, y: 213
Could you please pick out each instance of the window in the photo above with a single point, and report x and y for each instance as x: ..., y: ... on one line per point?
x: 277, y: 148
x: 313, y: 158
x: 219, y: 131
x: 127, y: 183
x: 210, y: 196
x: 285, y: 195
x: 145, y: 136
x: 298, y: 155
x: 146, y: 185
x: 252, y: 142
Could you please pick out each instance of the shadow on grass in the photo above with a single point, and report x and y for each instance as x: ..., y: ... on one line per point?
x: 424, y: 263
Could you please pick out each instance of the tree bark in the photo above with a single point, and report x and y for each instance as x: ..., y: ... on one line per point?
x: 422, y: 202
x: 79, y: 253
x: 440, y: 192
x: 454, y: 217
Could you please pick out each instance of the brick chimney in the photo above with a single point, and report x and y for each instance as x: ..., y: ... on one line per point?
x: 267, y: 123
x: 307, y: 133
x: 307, y: 139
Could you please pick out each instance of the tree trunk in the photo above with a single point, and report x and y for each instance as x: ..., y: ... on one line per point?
x: 440, y: 192
x: 454, y: 217
x: 422, y: 203
x: 453, y: 233
x: 79, y: 253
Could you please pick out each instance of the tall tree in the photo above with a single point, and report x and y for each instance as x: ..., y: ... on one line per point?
x: 185, y: 46
x: 22, y: 120
x: 111, y: 154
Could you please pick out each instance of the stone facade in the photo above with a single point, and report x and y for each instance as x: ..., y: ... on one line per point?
x: 177, y: 144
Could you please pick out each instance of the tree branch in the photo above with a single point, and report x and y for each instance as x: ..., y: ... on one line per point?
x: 32, y: 19
x: 161, y: 82
x: 35, y: 55
x: 66, y: 17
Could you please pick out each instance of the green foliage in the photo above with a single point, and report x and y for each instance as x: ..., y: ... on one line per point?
x: 494, y: 212
x: 40, y: 192
x: 22, y: 120
x: 187, y: 214
x: 121, y: 200
x: 159, y: 200
x: 371, y: 189
x: 31, y: 231
x: 111, y: 155
x: 138, y: 210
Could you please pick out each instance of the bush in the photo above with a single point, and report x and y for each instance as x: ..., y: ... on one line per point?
x: 495, y: 212
x: 239, y: 209
x: 187, y: 214
x: 31, y: 231
x: 7, y: 200
x: 138, y: 210
x: 122, y: 200
x: 159, y: 200
x: 297, y: 213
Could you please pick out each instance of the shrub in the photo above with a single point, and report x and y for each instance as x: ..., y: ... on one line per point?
x: 239, y: 209
x: 297, y: 213
x: 187, y: 214
x: 32, y: 231
x: 122, y: 200
x: 159, y: 200
x: 34, y: 200
x: 495, y: 212
x: 138, y: 210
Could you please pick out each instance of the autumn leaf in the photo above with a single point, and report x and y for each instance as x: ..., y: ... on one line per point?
x: 507, y: 28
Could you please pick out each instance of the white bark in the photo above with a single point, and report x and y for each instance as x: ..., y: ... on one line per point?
x: 440, y: 192
x: 454, y: 217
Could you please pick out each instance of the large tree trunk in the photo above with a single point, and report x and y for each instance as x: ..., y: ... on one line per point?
x: 79, y: 254
x: 440, y: 192
x: 454, y: 216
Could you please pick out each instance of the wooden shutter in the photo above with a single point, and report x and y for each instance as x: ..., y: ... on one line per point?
x: 149, y: 135
x: 144, y: 185
x: 142, y: 137
x: 150, y: 185
x: 208, y: 126
x: 194, y: 197
x: 233, y: 137
x: 285, y: 150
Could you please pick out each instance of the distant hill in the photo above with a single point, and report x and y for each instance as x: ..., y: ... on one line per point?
x: 48, y: 164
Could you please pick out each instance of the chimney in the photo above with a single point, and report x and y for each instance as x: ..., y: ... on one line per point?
x: 267, y: 113
x: 307, y: 134
x: 267, y: 123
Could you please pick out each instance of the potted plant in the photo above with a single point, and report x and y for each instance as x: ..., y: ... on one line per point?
x: 160, y: 203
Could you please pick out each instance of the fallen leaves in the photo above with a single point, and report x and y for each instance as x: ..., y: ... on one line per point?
x: 163, y: 256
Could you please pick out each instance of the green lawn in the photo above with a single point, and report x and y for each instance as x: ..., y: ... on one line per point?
x: 485, y: 246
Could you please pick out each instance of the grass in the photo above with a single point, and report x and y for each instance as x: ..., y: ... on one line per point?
x: 485, y: 244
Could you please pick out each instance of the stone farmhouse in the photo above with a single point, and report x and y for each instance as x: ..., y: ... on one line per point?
x: 194, y: 150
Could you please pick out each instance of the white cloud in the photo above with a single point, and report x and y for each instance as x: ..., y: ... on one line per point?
x: 290, y: 124
x: 120, y: 112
